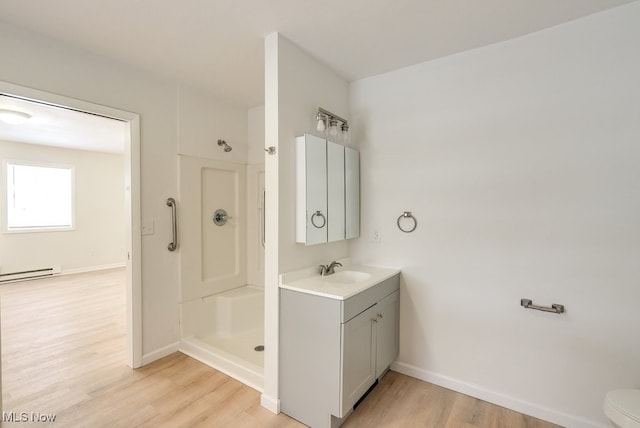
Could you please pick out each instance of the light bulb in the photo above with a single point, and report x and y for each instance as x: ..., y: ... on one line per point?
x: 321, y: 125
x: 333, y: 127
x: 345, y: 133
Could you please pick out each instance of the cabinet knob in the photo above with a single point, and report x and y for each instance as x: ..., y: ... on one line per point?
x: 380, y: 316
x: 374, y: 319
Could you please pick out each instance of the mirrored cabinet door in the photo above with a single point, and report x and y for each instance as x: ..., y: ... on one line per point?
x: 335, y: 191
x: 352, y: 192
x: 311, y: 188
x: 327, y: 191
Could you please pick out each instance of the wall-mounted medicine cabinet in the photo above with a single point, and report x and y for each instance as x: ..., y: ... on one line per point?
x: 327, y: 191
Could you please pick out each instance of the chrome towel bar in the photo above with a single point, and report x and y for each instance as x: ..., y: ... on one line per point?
x: 555, y: 307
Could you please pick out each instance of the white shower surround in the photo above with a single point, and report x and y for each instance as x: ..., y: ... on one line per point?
x: 222, y: 318
x: 221, y: 312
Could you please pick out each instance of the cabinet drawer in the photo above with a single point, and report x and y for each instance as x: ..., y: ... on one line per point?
x: 364, y: 300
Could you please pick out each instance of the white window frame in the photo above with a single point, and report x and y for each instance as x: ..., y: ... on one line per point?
x: 5, y: 187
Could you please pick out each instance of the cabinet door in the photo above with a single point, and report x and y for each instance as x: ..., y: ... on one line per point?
x: 358, y: 358
x: 387, y: 331
x: 335, y: 191
x: 352, y: 192
x: 311, y: 190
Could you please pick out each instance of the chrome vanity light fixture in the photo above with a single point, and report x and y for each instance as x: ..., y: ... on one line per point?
x: 333, y: 124
x: 222, y: 143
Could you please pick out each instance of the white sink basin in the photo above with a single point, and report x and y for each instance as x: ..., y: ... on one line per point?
x: 345, y: 283
x: 347, y: 277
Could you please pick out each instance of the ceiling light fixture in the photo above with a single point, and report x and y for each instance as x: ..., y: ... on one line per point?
x: 13, y: 117
x: 331, y: 123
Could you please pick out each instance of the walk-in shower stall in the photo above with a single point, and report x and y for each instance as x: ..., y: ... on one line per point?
x: 221, y: 225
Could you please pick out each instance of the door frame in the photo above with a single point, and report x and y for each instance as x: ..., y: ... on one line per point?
x: 133, y: 236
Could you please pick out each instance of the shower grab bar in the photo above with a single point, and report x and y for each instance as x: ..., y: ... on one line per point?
x: 555, y: 307
x: 264, y: 215
x: 173, y: 245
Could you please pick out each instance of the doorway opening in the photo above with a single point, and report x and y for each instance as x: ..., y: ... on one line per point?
x: 130, y: 152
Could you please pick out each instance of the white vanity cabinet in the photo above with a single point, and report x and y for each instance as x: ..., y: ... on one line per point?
x: 333, y: 350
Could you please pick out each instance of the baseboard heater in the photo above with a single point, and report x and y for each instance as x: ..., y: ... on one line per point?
x: 29, y: 274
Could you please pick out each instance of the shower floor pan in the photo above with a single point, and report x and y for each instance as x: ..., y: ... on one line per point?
x: 234, y: 355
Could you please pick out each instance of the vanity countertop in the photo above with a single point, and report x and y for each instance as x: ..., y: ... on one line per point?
x: 334, y: 287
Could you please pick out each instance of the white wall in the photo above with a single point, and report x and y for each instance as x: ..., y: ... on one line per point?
x: 98, y: 238
x: 304, y: 84
x: 521, y: 163
x: 202, y: 121
x: 41, y: 63
x: 255, y: 118
x: 174, y: 119
x: 295, y: 86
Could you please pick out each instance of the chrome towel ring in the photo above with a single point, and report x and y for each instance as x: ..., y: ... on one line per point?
x: 318, y: 214
x: 407, y: 214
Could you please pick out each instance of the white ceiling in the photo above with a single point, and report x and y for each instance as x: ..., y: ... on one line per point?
x: 60, y: 127
x: 217, y: 45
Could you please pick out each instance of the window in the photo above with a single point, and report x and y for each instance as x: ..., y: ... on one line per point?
x: 39, y: 196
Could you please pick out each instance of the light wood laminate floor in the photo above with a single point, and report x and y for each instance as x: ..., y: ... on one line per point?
x: 63, y: 344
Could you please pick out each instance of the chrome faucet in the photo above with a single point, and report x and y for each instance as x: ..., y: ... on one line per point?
x: 330, y: 268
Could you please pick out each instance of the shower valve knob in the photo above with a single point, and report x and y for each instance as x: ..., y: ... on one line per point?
x: 220, y: 217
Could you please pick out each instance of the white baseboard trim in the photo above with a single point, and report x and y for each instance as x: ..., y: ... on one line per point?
x: 159, y: 353
x: 270, y: 403
x: 494, y: 397
x: 92, y: 268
